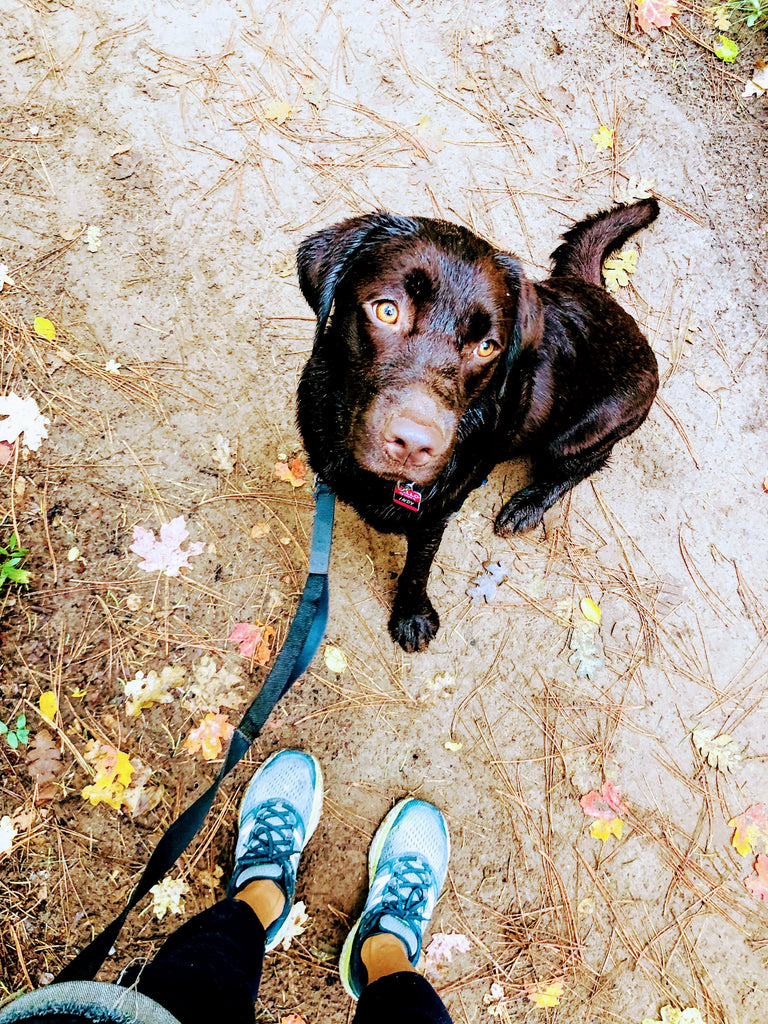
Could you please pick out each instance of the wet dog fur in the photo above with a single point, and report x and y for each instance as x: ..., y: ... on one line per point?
x: 435, y: 359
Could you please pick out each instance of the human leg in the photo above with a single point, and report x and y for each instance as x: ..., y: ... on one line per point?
x: 213, y: 962
x: 408, y: 861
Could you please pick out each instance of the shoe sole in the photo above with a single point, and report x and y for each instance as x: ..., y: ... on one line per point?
x: 374, y: 855
x: 314, y: 818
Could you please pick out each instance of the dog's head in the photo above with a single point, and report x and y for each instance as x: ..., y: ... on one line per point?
x: 416, y: 318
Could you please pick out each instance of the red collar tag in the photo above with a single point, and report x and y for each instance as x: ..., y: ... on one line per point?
x: 407, y: 496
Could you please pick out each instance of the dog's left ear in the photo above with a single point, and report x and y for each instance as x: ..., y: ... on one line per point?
x: 529, y: 316
x: 324, y: 258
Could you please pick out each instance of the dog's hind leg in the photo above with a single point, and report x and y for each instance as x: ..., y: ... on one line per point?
x: 553, y: 479
x: 414, y: 621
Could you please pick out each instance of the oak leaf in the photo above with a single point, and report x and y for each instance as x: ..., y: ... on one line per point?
x: 168, y: 897
x: 209, y: 737
x: 617, y: 269
x: 143, y: 691
x: 721, y: 752
x: 213, y: 688
x: 44, y: 765
x: 113, y: 774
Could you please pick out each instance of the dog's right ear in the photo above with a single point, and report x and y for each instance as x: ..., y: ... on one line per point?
x: 325, y: 258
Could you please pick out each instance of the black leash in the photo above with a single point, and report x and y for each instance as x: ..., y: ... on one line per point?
x: 303, y: 640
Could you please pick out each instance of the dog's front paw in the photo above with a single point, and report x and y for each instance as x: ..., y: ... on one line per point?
x: 413, y: 629
x: 518, y: 515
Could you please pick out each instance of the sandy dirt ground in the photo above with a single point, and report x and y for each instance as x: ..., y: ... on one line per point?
x: 159, y: 164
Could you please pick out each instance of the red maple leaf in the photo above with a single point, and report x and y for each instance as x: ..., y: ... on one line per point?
x: 656, y: 13
x: 604, y: 805
x: 757, y: 883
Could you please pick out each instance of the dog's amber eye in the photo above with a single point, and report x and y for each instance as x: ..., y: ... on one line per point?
x: 485, y: 348
x: 387, y: 312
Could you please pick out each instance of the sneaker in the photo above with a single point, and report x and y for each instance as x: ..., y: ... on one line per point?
x: 406, y: 870
x: 279, y: 813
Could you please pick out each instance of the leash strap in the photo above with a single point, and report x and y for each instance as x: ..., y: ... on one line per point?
x: 304, y: 638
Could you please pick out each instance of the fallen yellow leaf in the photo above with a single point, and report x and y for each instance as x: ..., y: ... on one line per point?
x: 278, y: 111
x: 603, y: 828
x: 48, y: 705
x: 541, y: 994
x: 44, y: 328
x: 603, y: 138
x: 590, y: 610
x: 335, y: 659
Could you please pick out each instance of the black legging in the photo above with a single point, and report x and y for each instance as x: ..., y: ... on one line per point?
x: 211, y: 967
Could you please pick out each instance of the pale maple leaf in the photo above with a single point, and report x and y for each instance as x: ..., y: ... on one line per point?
x: 24, y: 417
x: 212, y: 688
x: 441, y: 949
x: 168, y: 897
x: 293, y: 472
x: 544, y: 993
x: 209, y: 737
x: 7, y: 833
x: 295, y: 925
x: 757, y: 883
x: 751, y: 829
x: 617, y: 269
x: 143, y: 691
x: 254, y: 641
x: 164, y: 555
x: 603, y: 138
x: 656, y: 13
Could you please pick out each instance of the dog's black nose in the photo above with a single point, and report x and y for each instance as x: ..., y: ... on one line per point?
x: 410, y: 443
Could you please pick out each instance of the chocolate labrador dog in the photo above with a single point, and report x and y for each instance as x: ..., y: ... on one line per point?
x: 435, y: 358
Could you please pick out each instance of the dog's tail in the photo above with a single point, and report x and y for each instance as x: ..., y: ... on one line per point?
x: 587, y: 244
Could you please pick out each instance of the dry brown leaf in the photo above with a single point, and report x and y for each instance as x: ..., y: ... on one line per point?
x: 44, y: 764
